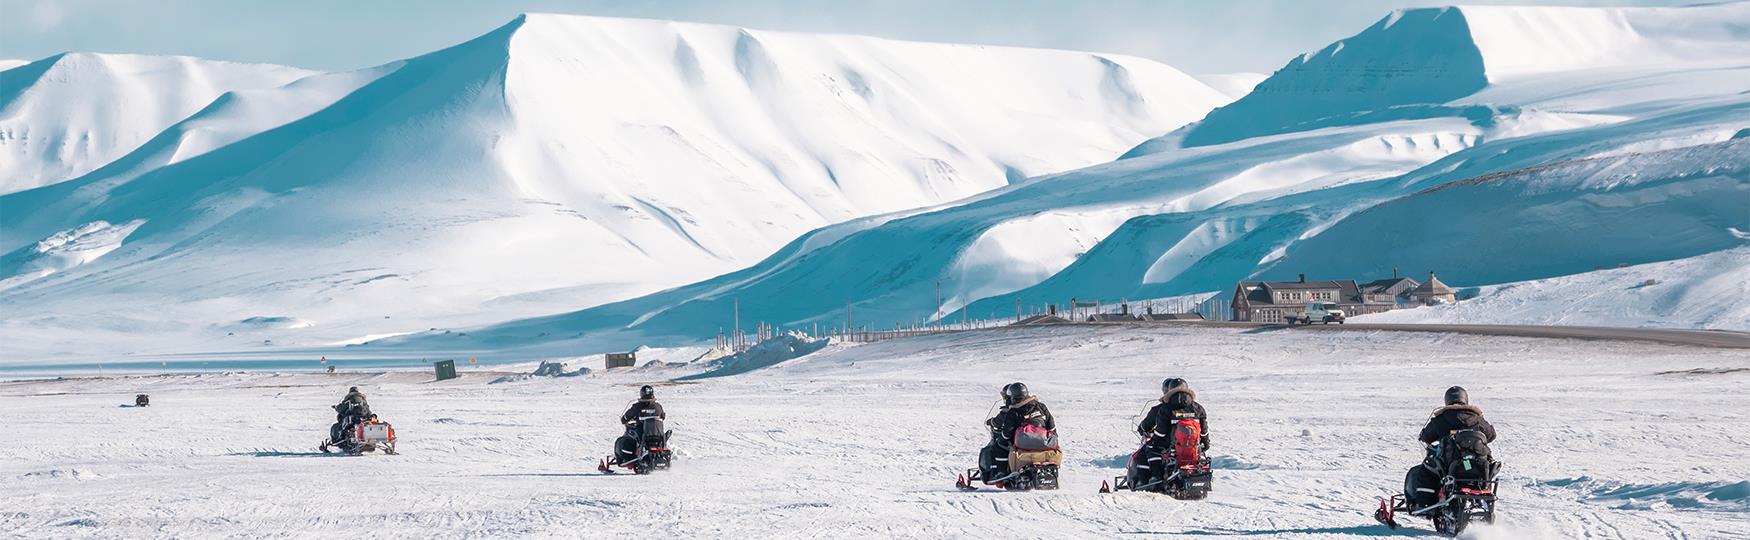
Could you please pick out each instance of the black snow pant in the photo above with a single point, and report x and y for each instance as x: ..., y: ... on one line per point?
x: 625, y: 448
x: 1157, y: 464
x: 1421, y: 487
x: 993, y: 460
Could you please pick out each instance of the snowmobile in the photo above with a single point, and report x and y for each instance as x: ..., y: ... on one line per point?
x: 1033, y: 462
x: 652, y: 449
x: 142, y: 400
x: 1466, y: 492
x: 1189, y: 476
x: 368, y: 435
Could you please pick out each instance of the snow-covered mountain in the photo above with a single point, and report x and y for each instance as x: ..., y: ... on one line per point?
x: 68, y: 114
x: 1428, y: 141
x: 9, y: 63
x: 556, y: 162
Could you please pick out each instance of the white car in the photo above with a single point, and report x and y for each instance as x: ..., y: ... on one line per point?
x: 1325, y: 312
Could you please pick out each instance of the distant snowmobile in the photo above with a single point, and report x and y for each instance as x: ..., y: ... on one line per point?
x: 368, y: 435
x: 650, y: 452
x: 1190, y: 475
x: 1172, y: 458
x: 1466, y: 492
x: 644, y: 446
x: 356, y: 429
x: 1023, y: 453
x: 142, y: 400
x: 1455, y: 484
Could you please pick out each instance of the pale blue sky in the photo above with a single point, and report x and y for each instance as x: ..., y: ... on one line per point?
x: 1195, y: 35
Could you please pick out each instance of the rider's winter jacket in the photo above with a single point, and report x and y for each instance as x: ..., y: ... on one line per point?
x: 1172, y: 407
x: 641, y: 409
x: 353, y: 405
x: 1029, y: 411
x: 1456, y: 417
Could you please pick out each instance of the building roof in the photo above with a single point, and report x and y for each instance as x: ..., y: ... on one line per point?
x: 1380, y: 285
x: 1315, y: 284
x: 1258, y: 292
x: 1433, y: 287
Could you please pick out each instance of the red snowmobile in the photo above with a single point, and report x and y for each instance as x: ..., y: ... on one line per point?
x: 1189, y: 476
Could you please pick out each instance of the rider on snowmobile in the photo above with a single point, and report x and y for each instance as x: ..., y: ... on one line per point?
x: 1019, y: 407
x: 626, y: 447
x: 351, y: 410
x: 1177, y: 402
x: 1457, y: 415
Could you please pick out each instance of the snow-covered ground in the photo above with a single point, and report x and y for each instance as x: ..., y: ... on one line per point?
x: 1601, y: 440
x: 1704, y: 292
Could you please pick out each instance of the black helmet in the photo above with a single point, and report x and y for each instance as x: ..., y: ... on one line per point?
x: 353, y: 390
x: 1015, y: 393
x: 1457, y: 396
x: 1171, y: 383
x: 646, y: 392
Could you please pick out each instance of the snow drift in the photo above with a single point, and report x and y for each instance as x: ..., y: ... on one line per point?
x: 1703, y: 292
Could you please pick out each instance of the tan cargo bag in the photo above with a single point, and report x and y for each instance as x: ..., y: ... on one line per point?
x: 1019, y: 459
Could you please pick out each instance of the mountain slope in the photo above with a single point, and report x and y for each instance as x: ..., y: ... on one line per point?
x: 1507, y: 180
x: 556, y: 162
x: 68, y: 114
x: 1413, y: 63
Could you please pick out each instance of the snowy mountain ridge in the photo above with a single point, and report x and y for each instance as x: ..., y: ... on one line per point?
x: 1423, y: 62
x: 556, y: 162
x: 1527, y: 177
x: 68, y: 114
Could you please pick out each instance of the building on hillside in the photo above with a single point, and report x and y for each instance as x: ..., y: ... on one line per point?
x: 1433, y: 292
x: 1274, y: 301
x: 1395, y: 291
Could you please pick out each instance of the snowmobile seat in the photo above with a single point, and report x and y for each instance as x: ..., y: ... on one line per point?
x: 650, y: 431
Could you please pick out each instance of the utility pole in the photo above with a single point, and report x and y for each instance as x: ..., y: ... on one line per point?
x: 938, y: 313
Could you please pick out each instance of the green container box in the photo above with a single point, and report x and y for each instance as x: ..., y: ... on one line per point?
x: 445, y: 370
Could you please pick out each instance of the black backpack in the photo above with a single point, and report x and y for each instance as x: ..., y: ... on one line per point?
x: 1465, y: 454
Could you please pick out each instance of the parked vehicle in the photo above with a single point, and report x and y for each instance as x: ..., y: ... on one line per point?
x: 1324, y: 312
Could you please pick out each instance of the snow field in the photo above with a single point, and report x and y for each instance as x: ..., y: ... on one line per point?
x: 1612, y: 440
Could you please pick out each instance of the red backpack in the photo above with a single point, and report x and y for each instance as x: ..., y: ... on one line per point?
x: 1187, y: 434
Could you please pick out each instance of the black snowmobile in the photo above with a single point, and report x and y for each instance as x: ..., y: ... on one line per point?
x: 1032, y: 462
x: 1466, y: 492
x: 1189, y: 475
x: 652, y: 452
